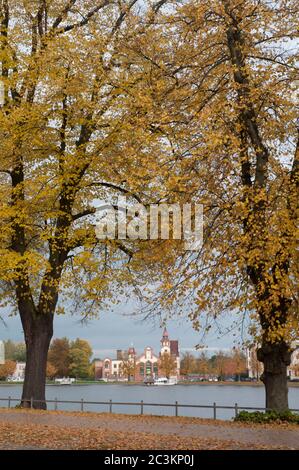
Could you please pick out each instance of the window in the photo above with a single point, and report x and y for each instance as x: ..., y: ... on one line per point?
x: 141, y: 370
x: 107, y: 365
x: 148, y: 368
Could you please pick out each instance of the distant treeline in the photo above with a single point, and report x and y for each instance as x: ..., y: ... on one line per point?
x: 220, y: 365
x: 73, y: 359
x: 15, y: 351
x: 65, y: 359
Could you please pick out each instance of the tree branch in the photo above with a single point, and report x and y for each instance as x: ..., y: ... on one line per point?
x: 247, y: 112
x: 63, y: 14
x: 84, y: 22
x: 86, y: 212
x: 117, y: 188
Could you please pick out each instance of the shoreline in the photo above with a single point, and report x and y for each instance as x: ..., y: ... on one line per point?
x: 189, y: 383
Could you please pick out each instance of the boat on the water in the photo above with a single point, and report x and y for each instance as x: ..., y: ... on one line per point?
x: 161, y: 381
x: 165, y: 381
x: 65, y: 381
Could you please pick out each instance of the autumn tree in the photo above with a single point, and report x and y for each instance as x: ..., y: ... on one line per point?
x: 7, y: 369
x: 220, y: 365
x: 196, y: 107
x: 20, y: 352
x: 128, y: 368
x: 80, y: 355
x: 72, y: 131
x: 230, y: 120
x: 51, y: 371
x: 202, y: 364
x: 188, y: 364
x: 92, y: 370
x: 15, y: 351
x: 59, y: 356
x: 229, y: 368
x: 239, y: 363
x: 167, y: 364
x: 9, y: 348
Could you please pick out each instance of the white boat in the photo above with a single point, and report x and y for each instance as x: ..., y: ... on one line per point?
x: 65, y: 381
x: 165, y: 381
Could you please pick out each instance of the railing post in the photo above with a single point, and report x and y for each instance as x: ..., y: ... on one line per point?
x: 236, y: 409
x: 176, y: 405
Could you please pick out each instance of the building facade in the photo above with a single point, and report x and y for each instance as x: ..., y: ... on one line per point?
x: 128, y: 365
x: 19, y: 373
x: 2, y: 353
x: 255, y: 367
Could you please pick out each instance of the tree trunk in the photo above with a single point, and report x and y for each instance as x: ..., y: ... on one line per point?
x: 38, y: 333
x: 276, y: 358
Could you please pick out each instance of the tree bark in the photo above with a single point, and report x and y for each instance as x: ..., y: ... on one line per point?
x: 255, y: 180
x: 38, y: 334
x: 276, y: 358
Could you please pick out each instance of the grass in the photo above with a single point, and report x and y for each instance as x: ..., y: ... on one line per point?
x: 267, y: 417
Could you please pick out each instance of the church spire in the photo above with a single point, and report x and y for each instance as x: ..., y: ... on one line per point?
x: 165, y: 342
x: 165, y: 333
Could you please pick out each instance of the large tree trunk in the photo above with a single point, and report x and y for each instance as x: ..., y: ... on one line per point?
x: 38, y: 333
x: 276, y: 358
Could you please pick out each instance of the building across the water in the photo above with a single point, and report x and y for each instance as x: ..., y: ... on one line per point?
x: 19, y: 373
x: 2, y: 353
x: 140, y: 367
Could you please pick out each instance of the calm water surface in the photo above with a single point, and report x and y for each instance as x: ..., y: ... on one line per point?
x: 226, y: 395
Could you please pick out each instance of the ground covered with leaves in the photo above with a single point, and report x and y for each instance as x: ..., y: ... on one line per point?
x: 20, y: 429
x: 53, y: 437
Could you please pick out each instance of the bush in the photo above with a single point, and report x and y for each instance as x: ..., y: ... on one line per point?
x: 268, y: 417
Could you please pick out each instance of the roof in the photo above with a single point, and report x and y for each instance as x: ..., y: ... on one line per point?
x: 174, y: 347
x: 165, y: 333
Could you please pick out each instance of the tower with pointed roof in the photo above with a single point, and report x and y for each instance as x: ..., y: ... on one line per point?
x: 131, y: 352
x: 146, y: 365
x: 165, y: 342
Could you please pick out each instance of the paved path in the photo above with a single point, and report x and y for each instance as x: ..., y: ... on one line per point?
x: 261, y: 435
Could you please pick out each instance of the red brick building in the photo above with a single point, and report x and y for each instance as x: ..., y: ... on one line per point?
x: 145, y: 365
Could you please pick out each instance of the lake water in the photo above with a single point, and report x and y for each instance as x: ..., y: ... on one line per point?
x: 197, y: 394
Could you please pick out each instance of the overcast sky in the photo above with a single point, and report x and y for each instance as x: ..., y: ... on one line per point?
x: 117, y: 330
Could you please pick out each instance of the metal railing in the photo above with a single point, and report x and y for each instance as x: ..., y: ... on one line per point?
x: 214, y: 407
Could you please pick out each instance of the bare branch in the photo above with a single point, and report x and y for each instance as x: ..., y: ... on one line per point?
x: 117, y: 188
x: 85, y: 20
x: 63, y: 14
x: 122, y: 16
